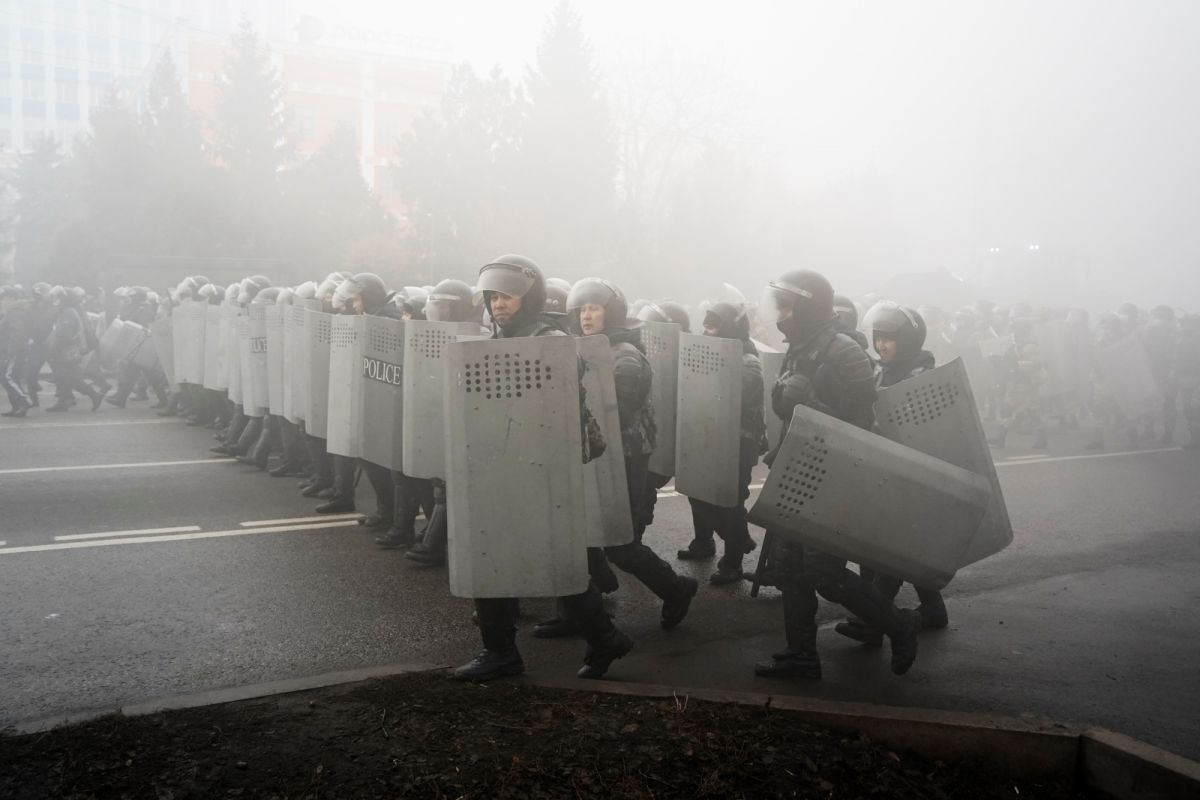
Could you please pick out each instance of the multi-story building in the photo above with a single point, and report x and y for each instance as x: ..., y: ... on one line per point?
x: 59, y: 59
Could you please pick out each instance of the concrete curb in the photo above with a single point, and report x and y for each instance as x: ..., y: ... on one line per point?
x: 1037, y: 749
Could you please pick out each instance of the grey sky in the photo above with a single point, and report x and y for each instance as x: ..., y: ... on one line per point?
x: 999, y: 124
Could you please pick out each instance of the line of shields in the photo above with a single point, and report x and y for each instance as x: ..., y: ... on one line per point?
x: 500, y: 422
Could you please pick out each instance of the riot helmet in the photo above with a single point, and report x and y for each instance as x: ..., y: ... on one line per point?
x: 413, y: 301
x: 211, y: 293
x: 231, y: 293
x: 727, y: 320
x: 450, y: 301
x: 666, y: 311
x: 798, y: 302
x: 515, y: 276
x: 904, y: 326
x: 602, y: 294
x: 267, y: 296
x: 557, y: 290
x: 847, y: 311
x: 250, y: 287
x: 306, y: 290
x: 365, y: 291
x: 284, y: 298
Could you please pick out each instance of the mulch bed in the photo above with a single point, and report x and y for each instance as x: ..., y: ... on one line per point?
x: 426, y: 736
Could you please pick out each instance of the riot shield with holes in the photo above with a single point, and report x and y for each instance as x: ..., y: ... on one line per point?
x: 381, y: 378
x: 256, y: 330
x: 317, y: 327
x: 772, y: 365
x: 936, y: 413
x: 424, y: 439
x: 227, y: 357
x: 1127, y: 376
x: 214, y: 376
x: 661, y: 340
x: 119, y: 341
x: 606, y: 490
x: 515, y: 498
x: 179, y: 337
x: 161, y: 333
x: 708, y: 421
x: 274, y: 325
x: 295, y: 365
x: 344, y: 426
x: 250, y: 404
x: 859, y: 496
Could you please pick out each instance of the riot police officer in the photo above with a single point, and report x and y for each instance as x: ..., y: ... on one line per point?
x: 14, y: 344
x: 514, y: 292
x: 899, y: 335
x: 725, y: 320
x: 596, y: 306
x: 65, y: 348
x: 826, y: 370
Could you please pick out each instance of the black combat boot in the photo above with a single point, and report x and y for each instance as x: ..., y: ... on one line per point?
x: 799, y: 659
x: 676, y: 608
x: 431, y: 552
x: 599, y: 658
x: 500, y: 656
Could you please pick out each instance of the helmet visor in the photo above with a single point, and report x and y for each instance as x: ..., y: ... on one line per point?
x: 779, y: 301
x: 889, y: 318
x: 504, y: 278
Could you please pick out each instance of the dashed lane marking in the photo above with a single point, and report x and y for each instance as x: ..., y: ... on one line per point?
x: 1054, y: 459
x: 178, y: 537
x: 37, y: 426
x: 138, y: 465
x: 118, y: 534
x: 300, y: 520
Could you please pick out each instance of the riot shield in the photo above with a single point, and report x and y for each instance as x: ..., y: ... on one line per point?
x: 251, y: 406
x: 226, y: 355
x: 256, y: 333
x: 145, y: 354
x: 233, y: 355
x: 515, y: 497
x: 997, y: 347
x: 1056, y: 355
x: 1127, y: 375
x: 345, y: 386
x: 295, y: 364
x: 854, y: 494
x: 317, y: 327
x: 772, y: 365
x: 120, y: 341
x: 661, y: 340
x: 214, y: 378
x: 606, y: 490
x: 708, y: 421
x: 274, y: 325
x: 936, y: 413
x: 162, y: 333
x: 197, y: 326
x: 179, y: 338
x: 424, y: 438
x: 381, y: 380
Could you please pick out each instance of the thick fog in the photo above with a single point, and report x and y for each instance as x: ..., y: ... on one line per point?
x: 917, y: 136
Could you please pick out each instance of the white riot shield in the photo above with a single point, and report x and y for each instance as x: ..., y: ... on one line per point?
x: 344, y: 434
x: 120, y: 341
x: 145, y: 354
x: 109, y: 340
x: 854, y: 494
x: 1127, y: 375
x: 424, y: 439
x: 515, y: 497
x: 214, y: 377
x: 179, y: 337
x: 708, y: 419
x: 772, y: 365
x: 233, y: 355
x: 197, y: 326
x: 936, y: 413
x: 661, y: 340
x: 606, y: 489
x: 275, y: 355
x: 227, y: 346
x: 1057, y: 356
x: 162, y: 334
x: 256, y: 333
x: 381, y: 379
x: 295, y: 364
x: 317, y: 328
x: 250, y: 404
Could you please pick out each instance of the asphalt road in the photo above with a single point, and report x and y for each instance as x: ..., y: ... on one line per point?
x: 134, y: 566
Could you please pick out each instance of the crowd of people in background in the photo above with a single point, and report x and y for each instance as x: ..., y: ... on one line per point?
x: 1034, y: 371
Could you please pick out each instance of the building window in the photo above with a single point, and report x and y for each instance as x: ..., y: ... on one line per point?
x: 32, y: 47
x: 67, y: 112
x: 64, y: 43
x: 98, y: 48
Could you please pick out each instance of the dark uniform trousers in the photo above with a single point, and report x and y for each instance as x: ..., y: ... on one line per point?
x: 728, y: 523
x: 636, y: 558
x: 497, y: 619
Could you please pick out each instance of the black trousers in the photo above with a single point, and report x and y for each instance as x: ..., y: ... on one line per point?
x: 498, y: 617
x: 728, y: 523
x: 636, y: 558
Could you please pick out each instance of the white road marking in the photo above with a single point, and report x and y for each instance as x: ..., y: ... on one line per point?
x: 664, y: 493
x: 178, y: 537
x: 41, y: 425
x: 1027, y: 458
x: 1089, y: 455
x: 300, y: 520
x: 3, y: 543
x: 138, y: 465
x: 118, y: 534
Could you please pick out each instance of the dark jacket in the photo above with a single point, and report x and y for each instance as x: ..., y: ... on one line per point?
x: 66, y: 342
x: 14, y: 332
x: 633, y: 377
